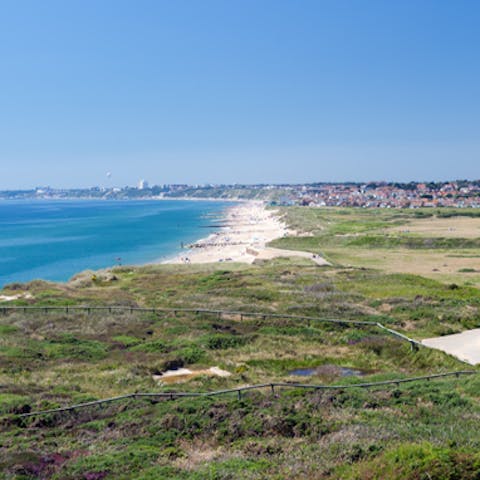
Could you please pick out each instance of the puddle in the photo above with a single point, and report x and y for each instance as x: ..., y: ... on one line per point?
x: 350, y: 372
x: 184, y: 374
x: 303, y: 372
x: 327, y: 370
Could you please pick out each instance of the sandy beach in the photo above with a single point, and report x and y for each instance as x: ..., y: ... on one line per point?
x: 243, y: 237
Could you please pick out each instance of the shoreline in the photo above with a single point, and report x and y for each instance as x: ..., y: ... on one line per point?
x: 244, y: 230
x: 244, y: 226
x: 248, y: 229
x: 60, y: 270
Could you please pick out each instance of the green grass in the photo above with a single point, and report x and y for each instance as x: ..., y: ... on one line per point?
x: 422, y: 460
x: 344, y: 434
x: 359, y: 228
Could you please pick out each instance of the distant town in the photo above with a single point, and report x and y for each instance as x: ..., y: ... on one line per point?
x: 458, y: 193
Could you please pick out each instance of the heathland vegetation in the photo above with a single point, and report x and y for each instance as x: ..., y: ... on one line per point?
x: 387, y: 266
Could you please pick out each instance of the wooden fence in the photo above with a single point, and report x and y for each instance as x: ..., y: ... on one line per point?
x: 240, y: 390
x: 218, y: 313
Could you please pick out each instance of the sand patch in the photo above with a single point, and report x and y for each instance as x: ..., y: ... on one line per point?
x: 10, y: 298
x: 181, y: 375
x: 465, y: 346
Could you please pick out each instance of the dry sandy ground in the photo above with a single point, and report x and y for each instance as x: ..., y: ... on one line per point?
x: 9, y: 298
x: 454, y: 227
x: 446, y: 265
x: 420, y: 262
x: 248, y: 229
x: 465, y: 346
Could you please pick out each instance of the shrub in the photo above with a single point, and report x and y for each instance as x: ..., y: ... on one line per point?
x: 220, y: 341
x: 190, y: 354
x: 413, y: 461
x: 126, y: 340
x: 151, y: 347
x: 70, y: 346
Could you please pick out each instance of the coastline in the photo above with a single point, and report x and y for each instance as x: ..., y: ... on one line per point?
x: 246, y: 230
x: 241, y: 233
x: 67, y: 245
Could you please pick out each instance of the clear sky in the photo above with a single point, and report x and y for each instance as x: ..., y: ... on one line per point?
x: 236, y: 91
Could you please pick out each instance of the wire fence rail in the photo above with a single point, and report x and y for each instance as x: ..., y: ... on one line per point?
x: 219, y: 313
x: 239, y: 390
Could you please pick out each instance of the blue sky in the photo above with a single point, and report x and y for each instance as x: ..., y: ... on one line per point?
x: 238, y: 91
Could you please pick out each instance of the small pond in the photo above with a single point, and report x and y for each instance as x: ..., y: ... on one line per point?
x: 327, y: 370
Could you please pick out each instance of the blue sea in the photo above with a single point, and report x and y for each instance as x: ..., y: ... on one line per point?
x: 55, y: 239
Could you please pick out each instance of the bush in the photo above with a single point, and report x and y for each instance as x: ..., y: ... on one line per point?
x: 126, y: 340
x: 413, y: 461
x: 70, y: 346
x: 190, y: 355
x: 220, y: 342
x: 151, y: 347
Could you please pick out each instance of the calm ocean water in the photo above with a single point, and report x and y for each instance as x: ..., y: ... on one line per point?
x: 53, y: 240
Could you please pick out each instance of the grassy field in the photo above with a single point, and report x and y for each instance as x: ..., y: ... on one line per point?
x: 440, y: 244
x: 422, y: 430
